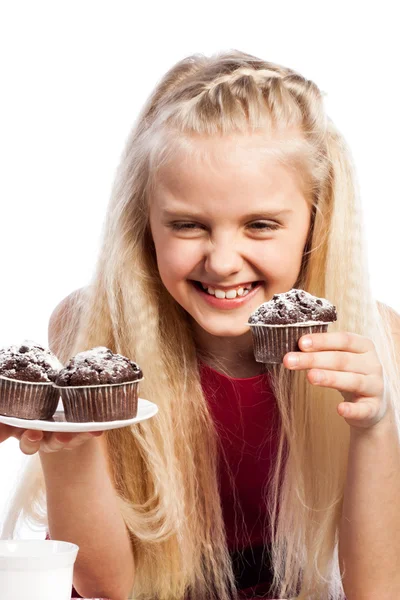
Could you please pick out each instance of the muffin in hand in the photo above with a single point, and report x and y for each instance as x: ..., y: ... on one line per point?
x: 27, y: 373
x: 98, y: 385
x: 277, y: 325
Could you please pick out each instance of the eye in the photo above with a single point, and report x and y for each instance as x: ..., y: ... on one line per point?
x: 182, y: 226
x: 264, y: 226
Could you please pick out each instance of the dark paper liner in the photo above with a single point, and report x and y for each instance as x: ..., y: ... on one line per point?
x: 270, y: 344
x: 27, y: 400
x: 107, y: 402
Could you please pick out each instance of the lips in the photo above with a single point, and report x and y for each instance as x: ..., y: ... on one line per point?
x: 229, y: 297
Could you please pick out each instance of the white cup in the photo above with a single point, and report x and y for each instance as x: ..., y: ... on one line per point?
x: 36, y: 569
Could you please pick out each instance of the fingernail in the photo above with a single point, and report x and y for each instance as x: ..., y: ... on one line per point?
x: 306, y: 342
x: 292, y: 360
x: 317, y: 377
x: 33, y: 438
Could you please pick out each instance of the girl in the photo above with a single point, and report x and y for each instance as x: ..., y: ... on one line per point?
x: 250, y: 482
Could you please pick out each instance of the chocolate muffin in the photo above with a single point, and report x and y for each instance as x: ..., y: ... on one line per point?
x: 277, y: 325
x: 27, y: 373
x: 98, y: 385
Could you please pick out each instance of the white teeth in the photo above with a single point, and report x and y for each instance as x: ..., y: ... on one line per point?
x: 230, y: 294
x: 219, y: 294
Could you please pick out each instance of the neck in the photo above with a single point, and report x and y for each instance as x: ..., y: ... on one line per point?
x: 231, y: 355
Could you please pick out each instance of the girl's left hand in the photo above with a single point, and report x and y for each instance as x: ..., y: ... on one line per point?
x: 347, y: 362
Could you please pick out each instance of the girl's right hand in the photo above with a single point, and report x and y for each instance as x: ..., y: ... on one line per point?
x: 32, y: 440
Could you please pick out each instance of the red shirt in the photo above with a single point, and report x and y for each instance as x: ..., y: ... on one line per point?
x: 247, y: 418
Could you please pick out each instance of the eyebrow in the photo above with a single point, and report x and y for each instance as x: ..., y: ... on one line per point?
x: 252, y: 216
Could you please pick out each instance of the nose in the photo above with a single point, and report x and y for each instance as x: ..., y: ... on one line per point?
x: 223, y: 258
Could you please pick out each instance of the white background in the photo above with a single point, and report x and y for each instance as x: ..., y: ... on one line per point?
x: 74, y: 76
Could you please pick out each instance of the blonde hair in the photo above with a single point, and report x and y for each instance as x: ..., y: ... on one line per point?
x: 165, y: 469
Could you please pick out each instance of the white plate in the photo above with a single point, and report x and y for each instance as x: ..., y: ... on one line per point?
x: 146, y: 410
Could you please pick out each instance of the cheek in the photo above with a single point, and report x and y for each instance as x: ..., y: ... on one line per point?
x: 291, y: 253
x: 280, y: 259
x: 176, y: 259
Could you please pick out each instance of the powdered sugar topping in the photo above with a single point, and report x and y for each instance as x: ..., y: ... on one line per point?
x: 29, y: 362
x: 98, y: 366
x: 295, y: 306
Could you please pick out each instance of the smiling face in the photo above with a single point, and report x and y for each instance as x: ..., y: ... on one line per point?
x: 228, y: 232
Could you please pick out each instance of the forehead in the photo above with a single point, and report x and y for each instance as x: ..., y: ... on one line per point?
x: 227, y: 169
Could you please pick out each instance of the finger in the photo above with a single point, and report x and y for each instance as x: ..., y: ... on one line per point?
x: 359, y: 411
x: 363, y: 364
x: 53, y: 442
x: 30, y: 441
x: 354, y: 383
x: 64, y: 441
x: 337, y: 340
x: 79, y: 438
x: 63, y: 437
x: 84, y: 437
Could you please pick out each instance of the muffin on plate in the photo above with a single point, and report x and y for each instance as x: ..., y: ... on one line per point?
x: 98, y: 385
x: 27, y: 373
x: 277, y: 325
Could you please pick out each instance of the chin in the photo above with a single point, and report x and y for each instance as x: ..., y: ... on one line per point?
x: 223, y: 330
